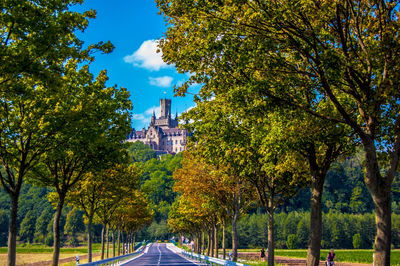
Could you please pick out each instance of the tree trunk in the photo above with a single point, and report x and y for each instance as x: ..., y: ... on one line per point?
x: 102, y: 241
x: 380, y: 189
x: 208, y: 242
x: 212, y: 240
x: 203, y: 242
x: 216, y: 240
x: 134, y: 242
x: 223, y: 241
x: 12, y: 230
x: 56, y: 229
x: 108, y: 242
x: 235, y: 242
x: 314, y: 237
x: 271, y: 237
x: 113, y: 242
x: 119, y: 242
x: 90, y: 222
x: 383, y: 229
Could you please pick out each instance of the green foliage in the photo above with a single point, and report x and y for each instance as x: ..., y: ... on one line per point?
x: 3, y: 227
x: 140, y: 152
x: 27, y: 229
x: 159, y: 231
x: 157, y: 182
x: 291, y: 241
x: 357, y: 241
x: 74, y: 225
x: 42, y: 223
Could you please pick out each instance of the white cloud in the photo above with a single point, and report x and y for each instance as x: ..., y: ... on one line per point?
x: 163, y: 82
x: 156, y: 109
x: 138, y: 117
x: 147, y: 57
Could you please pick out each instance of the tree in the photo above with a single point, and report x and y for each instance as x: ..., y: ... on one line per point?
x: 27, y: 229
x: 73, y: 225
x: 97, y: 120
x: 3, y: 225
x: 356, y: 241
x: 340, y: 54
x: 99, y: 186
x: 42, y: 222
x: 140, y: 152
x: 36, y: 40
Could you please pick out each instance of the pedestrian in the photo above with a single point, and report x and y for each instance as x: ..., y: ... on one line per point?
x: 262, y: 254
x: 330, y: 258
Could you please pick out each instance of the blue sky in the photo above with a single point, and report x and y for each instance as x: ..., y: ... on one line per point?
x: 133, y: 26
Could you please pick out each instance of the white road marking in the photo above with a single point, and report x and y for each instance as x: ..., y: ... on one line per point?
x: 159, y: 258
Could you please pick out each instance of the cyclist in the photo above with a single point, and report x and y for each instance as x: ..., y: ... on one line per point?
x: 329, y: 259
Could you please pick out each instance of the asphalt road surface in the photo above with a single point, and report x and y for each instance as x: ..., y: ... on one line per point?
x: 159, y: 255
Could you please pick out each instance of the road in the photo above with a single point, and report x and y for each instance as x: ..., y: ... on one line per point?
x: 159, y: 255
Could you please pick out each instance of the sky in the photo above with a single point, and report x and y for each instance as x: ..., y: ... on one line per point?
x: 133, y: 27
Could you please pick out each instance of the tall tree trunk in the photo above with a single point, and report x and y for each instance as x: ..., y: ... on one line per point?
x: 108, y: 240
x: 113, y: 242
x: 56, y: 228
x: 223, y: 240
x: 383, y: 228
x: 208, y: 242
x: 315, y: 232
x: 216, y: 240
x: 133, y: 242
x: 102, y: 241
x: 203, y: 242
x: 119, y: 242
x: 380, y: 190
x: 212, y: 240
x: 12, y: 230
x: 271, y: 237
x: 235, y: 240
x: 90, y: 223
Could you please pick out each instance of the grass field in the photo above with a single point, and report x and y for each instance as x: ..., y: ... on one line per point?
x: 350, y: 255
x: 37, y: 252
x: 38, y: 248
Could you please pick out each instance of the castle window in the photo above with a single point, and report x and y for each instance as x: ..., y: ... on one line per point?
x: 176, y: 141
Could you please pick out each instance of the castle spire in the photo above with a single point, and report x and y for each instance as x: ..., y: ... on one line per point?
x: 153, y: 119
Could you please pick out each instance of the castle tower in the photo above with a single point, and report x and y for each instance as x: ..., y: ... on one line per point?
x: 165, y: 105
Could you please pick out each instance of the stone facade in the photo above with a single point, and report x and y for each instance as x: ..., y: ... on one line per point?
x: 163, y: 134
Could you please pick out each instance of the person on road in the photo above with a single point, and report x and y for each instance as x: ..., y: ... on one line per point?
x: 330, y: 258
x: 262, y: 254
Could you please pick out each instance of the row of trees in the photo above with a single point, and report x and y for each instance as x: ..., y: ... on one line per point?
x: 61, y: 127
x: 288, y: 87
x: 339, y: 231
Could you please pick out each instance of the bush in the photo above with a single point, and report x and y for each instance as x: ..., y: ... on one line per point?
x: 291, y: 241
x: 49, y: 240
x: 357, y: 241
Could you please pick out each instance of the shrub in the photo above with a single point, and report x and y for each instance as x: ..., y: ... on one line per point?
x: 291, y: 241
x: 357, y: 241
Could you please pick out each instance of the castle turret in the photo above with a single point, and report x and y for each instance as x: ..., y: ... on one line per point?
x: 165, y: 106
x: 153, y: 119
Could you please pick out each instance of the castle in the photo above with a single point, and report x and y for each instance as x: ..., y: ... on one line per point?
x: 163, y: 134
